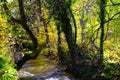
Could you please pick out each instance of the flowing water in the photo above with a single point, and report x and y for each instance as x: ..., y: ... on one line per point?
x: 42, y: 69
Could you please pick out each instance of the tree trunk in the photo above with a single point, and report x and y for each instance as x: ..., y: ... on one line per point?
x: 67, y: 29
x: 61, y: 15
x: 102, y: 18
x: 35, y: 53
x: 23, y: 22
x: 75, y: 27
x: 59, y: 48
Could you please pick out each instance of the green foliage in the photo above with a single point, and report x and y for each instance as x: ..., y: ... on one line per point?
x: 9, y: 74
x: 2, y: 62
x: 6, y: 65
x: 111, y: 71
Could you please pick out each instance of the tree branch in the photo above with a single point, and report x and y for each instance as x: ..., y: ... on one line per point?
x: 112, y: 17
x: 23, y: 22
x: 114, y: 4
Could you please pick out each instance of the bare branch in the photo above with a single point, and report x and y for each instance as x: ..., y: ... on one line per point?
x: 113, y: 4
x: 112, y: 18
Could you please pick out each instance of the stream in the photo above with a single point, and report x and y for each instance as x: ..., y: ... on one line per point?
x: 42, y: 69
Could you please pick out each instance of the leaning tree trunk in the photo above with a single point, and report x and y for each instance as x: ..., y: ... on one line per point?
x: 31, y: 35
x: 23, y: 22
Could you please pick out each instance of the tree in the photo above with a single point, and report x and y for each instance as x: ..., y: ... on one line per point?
x: 23, y: 22
x: 102, y: 19
x: 61, y: 11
